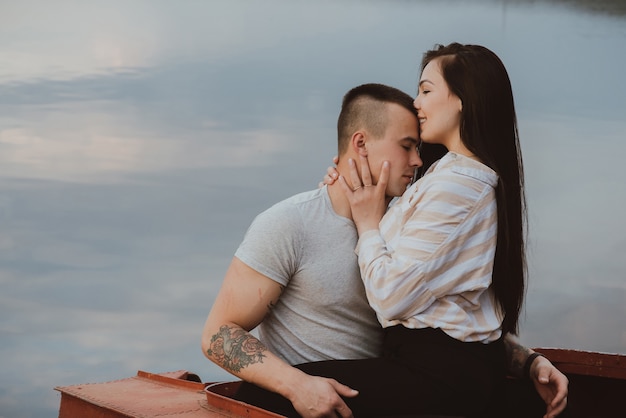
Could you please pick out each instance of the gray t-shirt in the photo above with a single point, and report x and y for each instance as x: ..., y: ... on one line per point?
x: 322, y: 313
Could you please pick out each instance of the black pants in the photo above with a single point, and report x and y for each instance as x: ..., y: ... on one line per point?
x: 421, y: 372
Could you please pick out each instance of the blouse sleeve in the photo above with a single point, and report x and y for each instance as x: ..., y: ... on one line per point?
x: 435, y: 237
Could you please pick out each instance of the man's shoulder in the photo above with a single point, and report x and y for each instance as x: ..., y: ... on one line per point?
x: 293, y: 208
x: 301, y: 200
x: 308, y: 196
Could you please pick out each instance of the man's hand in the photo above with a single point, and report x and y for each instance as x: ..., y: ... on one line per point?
x: 316, y: 397
x: 551, y: 385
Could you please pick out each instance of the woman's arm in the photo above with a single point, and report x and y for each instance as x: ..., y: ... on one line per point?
x: 447, y: 223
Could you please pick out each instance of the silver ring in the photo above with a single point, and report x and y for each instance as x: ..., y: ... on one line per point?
x: 356, y: 188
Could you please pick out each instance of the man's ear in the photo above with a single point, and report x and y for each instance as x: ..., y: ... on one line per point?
x: 359, y: 143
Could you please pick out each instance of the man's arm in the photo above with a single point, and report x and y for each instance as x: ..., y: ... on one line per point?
x: 516, y: 355
x: 245, y: 298
x: 550, y: 383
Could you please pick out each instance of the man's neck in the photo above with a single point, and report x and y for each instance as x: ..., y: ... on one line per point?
x: 338, y: 199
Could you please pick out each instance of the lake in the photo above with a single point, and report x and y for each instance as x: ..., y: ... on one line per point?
x: 139, y: 139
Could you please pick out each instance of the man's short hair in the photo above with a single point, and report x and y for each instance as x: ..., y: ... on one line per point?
x: 365, y: 107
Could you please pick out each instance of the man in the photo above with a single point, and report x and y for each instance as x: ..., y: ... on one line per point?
x: 296, y: 274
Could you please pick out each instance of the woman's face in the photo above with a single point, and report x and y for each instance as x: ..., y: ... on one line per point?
x: 438, y: 109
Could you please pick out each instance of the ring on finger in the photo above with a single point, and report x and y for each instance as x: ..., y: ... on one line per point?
x: 356, y: 188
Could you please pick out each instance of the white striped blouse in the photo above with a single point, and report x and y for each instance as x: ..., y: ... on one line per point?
x: 430, y: 263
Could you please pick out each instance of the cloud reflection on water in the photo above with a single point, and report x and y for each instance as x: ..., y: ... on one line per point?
x: 138, y: 141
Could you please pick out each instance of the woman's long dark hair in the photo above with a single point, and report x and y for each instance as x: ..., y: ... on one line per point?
x: 429, y: 154
x: 489, y: 130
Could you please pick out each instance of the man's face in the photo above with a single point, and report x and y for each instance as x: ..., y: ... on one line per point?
x: 399, y: 147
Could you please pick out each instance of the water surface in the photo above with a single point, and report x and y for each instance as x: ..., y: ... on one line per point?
x: 139, y: 139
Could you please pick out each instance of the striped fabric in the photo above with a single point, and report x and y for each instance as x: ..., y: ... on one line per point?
x: 430, y: 264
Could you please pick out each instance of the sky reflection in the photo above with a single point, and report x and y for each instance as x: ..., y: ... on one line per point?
x: 138, y: 140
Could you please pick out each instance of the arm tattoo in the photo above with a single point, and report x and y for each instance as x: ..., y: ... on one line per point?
x: 234, y: 348
x: 516, y: 355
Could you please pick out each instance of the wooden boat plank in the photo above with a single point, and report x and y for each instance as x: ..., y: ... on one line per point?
x: 597, y: 386
x: 587, y: 363
x: 148, y: 395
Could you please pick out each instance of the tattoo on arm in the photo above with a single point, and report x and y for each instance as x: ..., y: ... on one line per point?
x: 516, y: 355
x: 233, y: 348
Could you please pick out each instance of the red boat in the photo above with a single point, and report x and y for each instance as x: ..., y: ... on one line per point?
x: 597, y: 389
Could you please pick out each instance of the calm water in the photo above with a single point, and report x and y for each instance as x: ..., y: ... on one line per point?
x: 139, y: 139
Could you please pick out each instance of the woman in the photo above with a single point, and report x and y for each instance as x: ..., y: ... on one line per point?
x: 444, y: 267
x: 465, y: 103
x: 448, y: 260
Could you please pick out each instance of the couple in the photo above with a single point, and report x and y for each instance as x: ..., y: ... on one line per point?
x: 443, y: 269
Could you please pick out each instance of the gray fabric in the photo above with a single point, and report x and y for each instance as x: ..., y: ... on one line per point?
x: 323, y: 312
